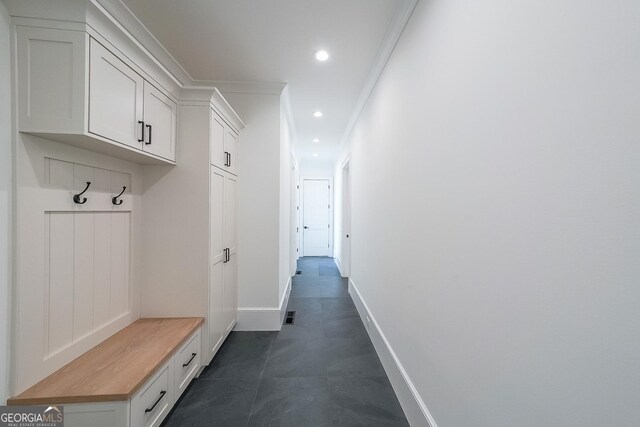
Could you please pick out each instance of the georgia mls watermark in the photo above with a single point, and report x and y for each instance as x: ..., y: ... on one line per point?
x: 31, y: 416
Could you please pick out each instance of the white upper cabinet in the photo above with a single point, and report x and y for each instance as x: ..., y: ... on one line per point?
x: 224, y: 142
x: 115, y: 98
x: 218, y: 156
x: 78, y: 90
x: 159, y: 135
x: 231, y: 148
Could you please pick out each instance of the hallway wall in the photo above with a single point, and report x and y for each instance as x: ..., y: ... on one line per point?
x: 258, y: 187
x: 496, y: 210
x: 5, y: 202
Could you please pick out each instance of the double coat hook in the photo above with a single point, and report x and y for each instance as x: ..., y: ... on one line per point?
x: 115, y: 200
x: 76, y: 197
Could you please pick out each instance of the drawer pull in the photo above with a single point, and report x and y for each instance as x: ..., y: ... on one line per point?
x: 162, y: 393
x: 193, y: 356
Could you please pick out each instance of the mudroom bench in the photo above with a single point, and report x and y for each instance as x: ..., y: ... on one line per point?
x: 132, y: 379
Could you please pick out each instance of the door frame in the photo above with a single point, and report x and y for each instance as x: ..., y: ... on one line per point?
x: 331, y: 203
x: 345, y: 217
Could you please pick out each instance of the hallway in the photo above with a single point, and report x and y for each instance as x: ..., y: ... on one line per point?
x: 322, y: 370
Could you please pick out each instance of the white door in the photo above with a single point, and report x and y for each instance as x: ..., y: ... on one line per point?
x: 216, y: 280
x: 115, y: 98
x: 315, y: 217
x: 160, y: 114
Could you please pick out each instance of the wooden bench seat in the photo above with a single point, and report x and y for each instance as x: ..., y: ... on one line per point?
x: 116, y: 368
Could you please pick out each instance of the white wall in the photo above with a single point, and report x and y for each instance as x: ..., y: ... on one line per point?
x: 496, y: 210
x: 258, y: 203
x: 5, y: 201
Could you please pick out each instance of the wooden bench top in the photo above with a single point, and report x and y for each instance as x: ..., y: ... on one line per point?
x: 116, y: 368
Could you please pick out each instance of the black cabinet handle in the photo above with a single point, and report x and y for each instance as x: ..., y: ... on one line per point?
x: 224, y: 257
x: 162, y: 393
x: 149, y: 127
x: 305, y: 227
x: 141, y: 130
x: 227, y: 158
x: 193, y: 356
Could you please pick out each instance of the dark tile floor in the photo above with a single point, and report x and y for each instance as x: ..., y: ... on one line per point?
x: 320, y: 371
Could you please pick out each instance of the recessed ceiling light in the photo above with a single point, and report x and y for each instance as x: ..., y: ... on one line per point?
x: 321, y: 55
x: 317, y: 114
x: 316, y: 140
x: 315, y: 155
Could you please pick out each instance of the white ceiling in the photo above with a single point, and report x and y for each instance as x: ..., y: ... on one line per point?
x: 274, y: 41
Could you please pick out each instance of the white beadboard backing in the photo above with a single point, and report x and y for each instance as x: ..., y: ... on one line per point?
x: 87, y: 281
x: 77, y: 279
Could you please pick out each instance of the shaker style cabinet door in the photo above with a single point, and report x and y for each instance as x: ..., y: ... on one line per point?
x: 116, y: 95
x: 216, y: 279
x: 231, y: 147
x: 218, y: 157
x: 230, y: 290
x: 160, y: 114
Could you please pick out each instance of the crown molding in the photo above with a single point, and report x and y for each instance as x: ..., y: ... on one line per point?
x: 389, y: 42
x: 135, y: 29
x: 266, y: 88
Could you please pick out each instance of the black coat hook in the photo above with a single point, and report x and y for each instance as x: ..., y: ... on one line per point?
x: 76, y: 197
x: 115, y: 200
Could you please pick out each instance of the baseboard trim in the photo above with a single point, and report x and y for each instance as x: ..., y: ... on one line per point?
x: 284, y: 302
x: 414, y: 407
x: 339, y: 265
x: 263, y: 318
x: 258, y: 319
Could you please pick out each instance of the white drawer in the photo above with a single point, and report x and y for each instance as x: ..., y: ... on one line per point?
x: 186, y: 363
x: 152, y: 403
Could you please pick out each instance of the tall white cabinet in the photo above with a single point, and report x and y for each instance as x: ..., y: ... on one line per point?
x: 189, y: 271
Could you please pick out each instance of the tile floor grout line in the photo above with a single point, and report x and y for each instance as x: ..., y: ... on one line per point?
x: 261, y: 377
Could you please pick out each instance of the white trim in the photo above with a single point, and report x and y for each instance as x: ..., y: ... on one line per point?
x: 339, y: 265
x: 414, y: 407
x: 331, y: 210
x: 263, y: 318
x: 285, y: 301
x: 135, y: 29
x: 258, y: 319
x: 396, y: 27
x: 267, y: 88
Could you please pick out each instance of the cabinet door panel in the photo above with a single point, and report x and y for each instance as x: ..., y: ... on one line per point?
x: 230, y: 292
x: 218, y: 157
x: 231, y: 213
x: 160, y: 121
x: 115, y: 98
x: 231, y: 147
x: 215, y: 320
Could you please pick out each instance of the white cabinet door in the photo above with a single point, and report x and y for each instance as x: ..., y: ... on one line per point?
x: 230, y: 290
x: 51, y: 79
x: 231, y: 150
x: 115, y: 98
x: 218, y: 157
x: 160, y: 114
x: 216, y: 279
x: 231, y: 213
